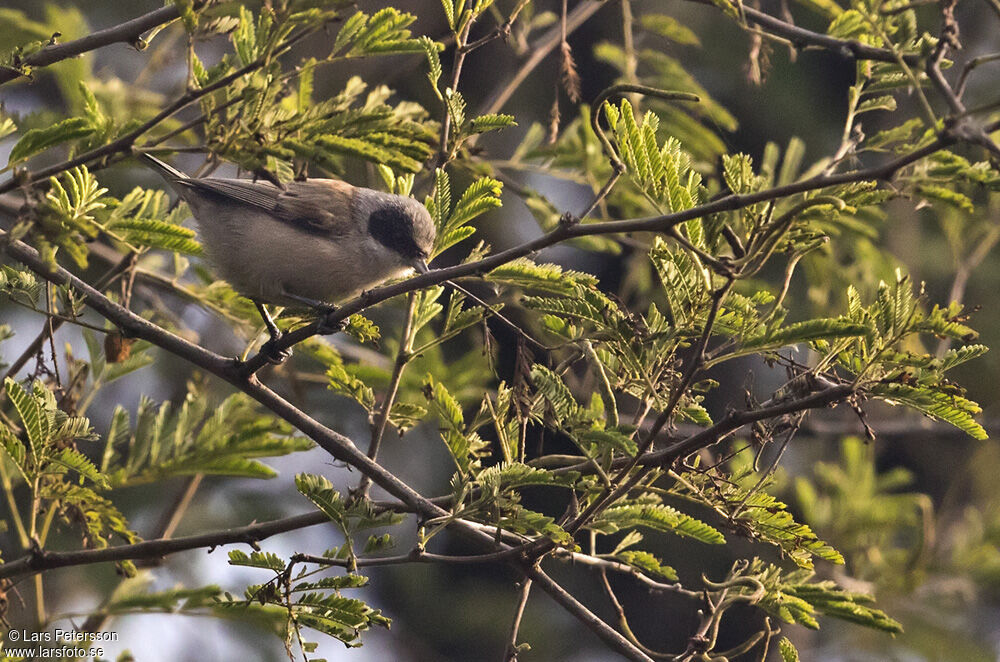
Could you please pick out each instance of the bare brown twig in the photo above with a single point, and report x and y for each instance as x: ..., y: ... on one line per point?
x: 801, y: 38
x: 403, y: 356
x: 46, y: 560
x: 608, y: 635
x: 510, y: 655
x: 128, y: 32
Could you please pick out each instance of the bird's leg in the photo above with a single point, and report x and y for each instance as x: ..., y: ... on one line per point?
x: 322, y: 308
x: 272, y: 328
x: 268, y: 349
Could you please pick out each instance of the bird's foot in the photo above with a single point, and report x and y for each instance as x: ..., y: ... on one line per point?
x: 325, y: 325
x: 323, y: 311
x: 272, y: 353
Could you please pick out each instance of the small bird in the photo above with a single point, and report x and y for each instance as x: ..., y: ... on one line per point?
x: 312, y: 242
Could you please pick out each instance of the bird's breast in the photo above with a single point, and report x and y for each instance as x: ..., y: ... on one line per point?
x: 264, y: 258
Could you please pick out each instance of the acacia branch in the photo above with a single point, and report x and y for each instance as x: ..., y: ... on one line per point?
x: 731, y: 422
x: 338, y: 445
x: 403, y: 357
x: 227, y: 369
x: 734, y: 420
x: 566, y: 231
x: 230, y: 370
x: 40, y: 560
x: 623, y: 621
x: 728, y: 424
x: 125, y: 143
x: 128, y: 32
x: 134, y: 325
x: 800, y: 37
x: 415, y: 556
x: 607, y: 634
x: 510, y: 655
x: 622, y: 483
x: 122, y: 265
x: 605, y: 565
x: 342, y: 448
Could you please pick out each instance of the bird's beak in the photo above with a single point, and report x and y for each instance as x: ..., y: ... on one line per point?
x: 420, y: 266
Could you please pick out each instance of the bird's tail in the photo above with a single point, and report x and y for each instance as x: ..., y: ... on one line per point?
x: 166, y: 171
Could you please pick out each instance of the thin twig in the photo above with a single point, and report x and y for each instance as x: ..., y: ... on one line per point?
x: 963, y: 79
x: 510, y: 655
x: 502, y: 31
x: 962, y: 274
x: 607, y: 634
x: 40, y: 560
x: 169, y: 521
x: 194, y: 122
x: 403, y: 356
x: 444, y: 153
x: 607, y: 565
x: 128, y: 32
x: 694, y: 366
x: 623, y: 621
x: 800, y: 37
x: 102, y: 283
x: 125, y: 143
x: 540, y: 49
x: 415, y: 556
x: 489, y: 311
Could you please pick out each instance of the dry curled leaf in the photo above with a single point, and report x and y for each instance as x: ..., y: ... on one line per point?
x: 117, y: 348
x: 567, y: 69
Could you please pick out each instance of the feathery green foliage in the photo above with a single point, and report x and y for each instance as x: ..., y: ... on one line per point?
x: 622, y: 413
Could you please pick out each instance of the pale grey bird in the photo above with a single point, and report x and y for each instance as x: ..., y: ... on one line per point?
x: 313, y: 242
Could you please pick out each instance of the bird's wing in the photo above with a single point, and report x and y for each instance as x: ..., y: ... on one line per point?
x: 167, y: 171
x: 315, y: 205
x: 318, y: 205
